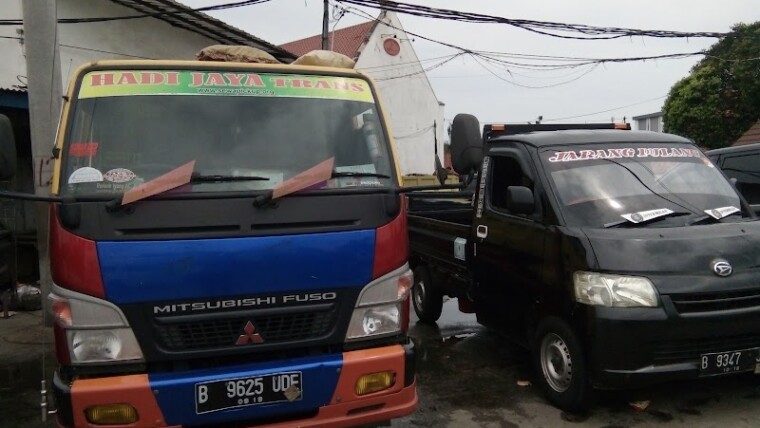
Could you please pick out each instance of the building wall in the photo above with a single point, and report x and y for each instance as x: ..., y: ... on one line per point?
x: 654, y: 124
x: 143, y: 38
x: 408, y: 99
x: 13, y: 65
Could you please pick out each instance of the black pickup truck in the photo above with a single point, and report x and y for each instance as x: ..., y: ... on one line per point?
x: 620, y: 258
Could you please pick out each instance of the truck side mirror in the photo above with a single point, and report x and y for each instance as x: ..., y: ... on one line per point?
x: 520, y: 200
x: 7, y: 149
x: 466, y: 144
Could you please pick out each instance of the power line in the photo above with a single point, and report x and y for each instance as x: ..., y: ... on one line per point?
x: 10, y: 22
x: 547, y: 28
x: 604, y: 111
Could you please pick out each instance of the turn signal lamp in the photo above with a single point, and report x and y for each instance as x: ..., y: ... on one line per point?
x: 623, y: 126
x: 497, y: 127
x: 375, y: 382
x: 112, y: 414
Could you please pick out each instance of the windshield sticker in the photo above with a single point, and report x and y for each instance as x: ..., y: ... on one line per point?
x: 125, y: 83
x: 646, y: 215
x: 83, y: 150
x: 640, y: 152
x: 719, y: 213
x: 119, y: 175
x: 85, y: 175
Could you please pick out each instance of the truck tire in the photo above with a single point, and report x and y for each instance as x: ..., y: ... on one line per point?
x: 560, y: 365
x: 426, y: 298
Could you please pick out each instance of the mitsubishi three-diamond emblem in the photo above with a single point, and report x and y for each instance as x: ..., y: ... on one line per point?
x: 249, y: 335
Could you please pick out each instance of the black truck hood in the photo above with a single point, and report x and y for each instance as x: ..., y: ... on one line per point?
x: 679, y: 260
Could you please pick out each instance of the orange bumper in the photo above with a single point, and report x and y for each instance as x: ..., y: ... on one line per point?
x: 345, y: 408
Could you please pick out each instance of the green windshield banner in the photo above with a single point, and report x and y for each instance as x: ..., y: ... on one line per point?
x: 100, y: 84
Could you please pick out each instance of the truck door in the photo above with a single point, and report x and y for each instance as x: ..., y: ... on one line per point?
x: 508, y: 250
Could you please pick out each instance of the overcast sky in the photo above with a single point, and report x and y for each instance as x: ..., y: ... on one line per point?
x: 610, y: 90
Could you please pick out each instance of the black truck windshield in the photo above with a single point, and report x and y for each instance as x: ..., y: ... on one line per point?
x: 667, y: 185
x: 244, y: 131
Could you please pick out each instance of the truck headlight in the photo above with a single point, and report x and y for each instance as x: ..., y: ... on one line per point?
x: 382, y: 307
x: 96, y: 331
x: 617, y: 291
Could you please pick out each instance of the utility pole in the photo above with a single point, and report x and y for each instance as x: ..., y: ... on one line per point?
x: 43, y: 69
x: 325, y: 22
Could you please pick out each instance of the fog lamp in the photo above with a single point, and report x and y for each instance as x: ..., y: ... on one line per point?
x: 375, y: 382
x: 112, y: 414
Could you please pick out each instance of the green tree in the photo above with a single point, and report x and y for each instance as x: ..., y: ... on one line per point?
x: 720, y: 99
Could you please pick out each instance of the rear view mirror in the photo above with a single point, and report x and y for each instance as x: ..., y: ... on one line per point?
x: 520, y: 200
x: 466, y: 144
x: 7, y: 149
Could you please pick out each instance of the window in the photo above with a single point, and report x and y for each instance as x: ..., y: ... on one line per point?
x: 505, y: 172
x: 746, y: 170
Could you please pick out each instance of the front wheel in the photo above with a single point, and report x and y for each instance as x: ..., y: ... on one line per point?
x: 426, y: 299
x: 559, y: 361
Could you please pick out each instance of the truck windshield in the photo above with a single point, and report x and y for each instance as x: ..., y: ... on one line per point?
x: 634, y: 183
x: 129, y: 127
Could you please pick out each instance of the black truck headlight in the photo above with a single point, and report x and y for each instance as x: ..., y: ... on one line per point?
x: 617, y: 291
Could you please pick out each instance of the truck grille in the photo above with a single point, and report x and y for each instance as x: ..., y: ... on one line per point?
x: 713, y: 302
x: 224, y: 332
x: 685, y: 350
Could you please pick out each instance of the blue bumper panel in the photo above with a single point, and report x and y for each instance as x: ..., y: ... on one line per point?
x: 176, y: 391
x: 149, y: 271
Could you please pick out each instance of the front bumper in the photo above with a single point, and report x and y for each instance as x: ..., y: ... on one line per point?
x: 635, y: 347
x: 328, y: 400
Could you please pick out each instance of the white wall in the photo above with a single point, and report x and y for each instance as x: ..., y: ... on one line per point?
x: 145, y: 37
x: 13, y: 63
x: 81, y: 43
x: 408, y: 98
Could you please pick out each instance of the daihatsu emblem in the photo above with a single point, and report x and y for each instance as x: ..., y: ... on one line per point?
x: 721, y: 267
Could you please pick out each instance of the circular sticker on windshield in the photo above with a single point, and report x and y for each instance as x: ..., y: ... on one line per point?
x: 119, y: 175
x: 85, y: 175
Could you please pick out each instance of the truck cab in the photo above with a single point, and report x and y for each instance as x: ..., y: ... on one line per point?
x: 228, y: 248
x: 619, y: 258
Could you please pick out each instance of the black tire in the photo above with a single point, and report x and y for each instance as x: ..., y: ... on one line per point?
x: 426, y: 298
x: 560, y: 365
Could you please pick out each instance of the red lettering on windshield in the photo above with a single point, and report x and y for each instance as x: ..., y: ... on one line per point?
x: 127, y: 79
x: 235, y: 79
x: 151, y: 78
x: 103, y: 79
x: 215, y: 79
x: 254, y: 80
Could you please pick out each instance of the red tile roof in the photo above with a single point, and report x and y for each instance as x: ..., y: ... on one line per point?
x: 346, y: 40
x: 751, y: 136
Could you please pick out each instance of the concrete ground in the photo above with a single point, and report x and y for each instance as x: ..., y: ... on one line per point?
x: 467, y: 378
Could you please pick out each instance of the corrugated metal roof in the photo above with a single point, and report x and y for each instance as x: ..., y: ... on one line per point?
x: 200, y: 23
x: 751, y: 136
x: 347, y: 41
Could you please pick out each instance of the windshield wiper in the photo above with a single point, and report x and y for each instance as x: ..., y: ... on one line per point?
x: 645, y: 222
x: 337, y: 174
x: 218, y: 178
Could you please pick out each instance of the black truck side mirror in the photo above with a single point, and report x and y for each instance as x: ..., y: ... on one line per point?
x: 7, y: 149
x: 520, y: 200
x: 466, y: 144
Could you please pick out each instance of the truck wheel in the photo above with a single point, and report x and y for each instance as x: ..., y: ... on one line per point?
x: 427, y: 300
x: 560, y: 364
